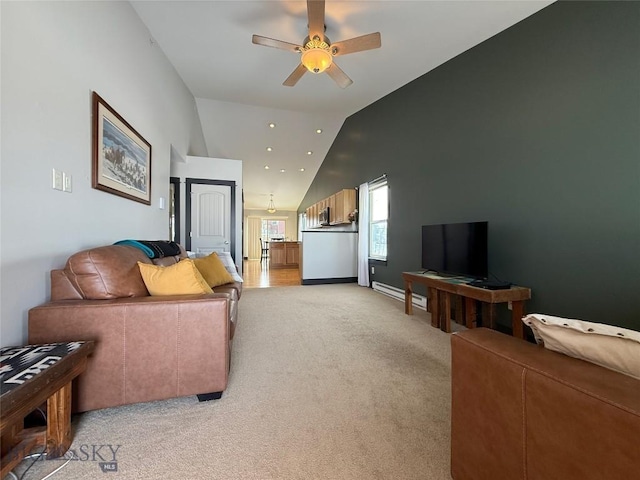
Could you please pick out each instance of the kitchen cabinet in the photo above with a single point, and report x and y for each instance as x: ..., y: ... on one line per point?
x: 314, y: 215
x: 345, y: 201
x: 340, y: 204
x: 284, y: 254
x: 292, y: 254
x: 331, y: 203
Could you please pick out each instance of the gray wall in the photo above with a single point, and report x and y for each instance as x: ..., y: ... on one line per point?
x: 536, y: 130
x: 53, y: 55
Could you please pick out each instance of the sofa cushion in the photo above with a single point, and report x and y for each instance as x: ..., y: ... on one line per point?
x: 107, y: 272
x: 183, y: 278
x: 213, y: 270
x: 605, y: 345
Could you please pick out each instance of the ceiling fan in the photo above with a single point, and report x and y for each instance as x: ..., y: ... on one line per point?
x: 317, y: 51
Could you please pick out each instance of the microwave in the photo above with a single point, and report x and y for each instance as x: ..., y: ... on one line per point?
x: 324, y: 216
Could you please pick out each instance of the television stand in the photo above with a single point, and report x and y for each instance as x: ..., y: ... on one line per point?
x: 489, y: 284
x: 439, y: 292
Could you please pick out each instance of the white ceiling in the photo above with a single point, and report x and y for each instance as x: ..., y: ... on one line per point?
x: 238, y: 85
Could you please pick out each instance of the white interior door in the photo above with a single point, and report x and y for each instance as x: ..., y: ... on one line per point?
x: 210, y: 218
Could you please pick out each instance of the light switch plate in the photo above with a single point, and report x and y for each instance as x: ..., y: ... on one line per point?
x: 56, y: 179
x: 66, y: 182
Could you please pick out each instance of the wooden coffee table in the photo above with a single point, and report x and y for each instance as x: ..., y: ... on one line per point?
x: 30, y: 376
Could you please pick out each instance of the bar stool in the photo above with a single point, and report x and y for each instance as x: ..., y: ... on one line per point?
x: 264, y: 247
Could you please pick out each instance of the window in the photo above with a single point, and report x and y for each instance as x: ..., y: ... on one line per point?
x: 273, y: 229
x: 378, y: 215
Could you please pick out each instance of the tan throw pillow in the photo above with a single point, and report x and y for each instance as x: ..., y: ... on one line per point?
x: 183, y: 278
x: 605, y: 345
x: 213, y: 270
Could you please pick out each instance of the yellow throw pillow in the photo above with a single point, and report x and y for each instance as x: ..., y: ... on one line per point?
x: 213, y: 270
x: 183, y: 278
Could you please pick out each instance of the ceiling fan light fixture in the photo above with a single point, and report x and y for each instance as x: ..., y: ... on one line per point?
x: 271, y: 208
x: 316, y: 56
x: 316, y: 50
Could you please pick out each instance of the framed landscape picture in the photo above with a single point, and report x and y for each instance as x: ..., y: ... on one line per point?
x: 121, y: 157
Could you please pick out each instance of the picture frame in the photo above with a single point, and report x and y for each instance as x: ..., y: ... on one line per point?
x: 121, y: 156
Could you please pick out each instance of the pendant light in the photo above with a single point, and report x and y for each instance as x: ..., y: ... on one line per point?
x: 271, y: 208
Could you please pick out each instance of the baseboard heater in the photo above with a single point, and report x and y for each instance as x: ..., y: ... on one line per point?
x: 418, y: 300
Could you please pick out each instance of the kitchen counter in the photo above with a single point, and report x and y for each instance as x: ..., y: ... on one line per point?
x: 284, y: 254
x: 329, y: 257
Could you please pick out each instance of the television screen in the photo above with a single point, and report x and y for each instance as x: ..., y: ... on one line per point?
x: 456, y: 249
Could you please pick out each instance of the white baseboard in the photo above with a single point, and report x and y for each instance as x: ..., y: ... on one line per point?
x: 418, y: 300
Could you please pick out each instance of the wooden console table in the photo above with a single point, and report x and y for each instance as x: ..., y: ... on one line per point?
x: 30, y: 376
x: 440, y: 289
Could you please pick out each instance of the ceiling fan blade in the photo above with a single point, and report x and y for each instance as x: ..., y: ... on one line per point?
x: 357, y: 44
x: 315, y: 13
x: 270, y: 42
x: 295, y: 76
x: 338, y: 76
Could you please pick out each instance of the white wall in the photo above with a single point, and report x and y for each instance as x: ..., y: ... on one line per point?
x: 210, y: 169
x: 54, y: 54
x: 329, y: 255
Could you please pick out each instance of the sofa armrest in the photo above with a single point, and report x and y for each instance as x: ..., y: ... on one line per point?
x: 521, y: 411
x: 147, y: 348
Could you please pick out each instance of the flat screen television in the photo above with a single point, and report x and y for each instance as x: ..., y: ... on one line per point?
x: 456, y: 249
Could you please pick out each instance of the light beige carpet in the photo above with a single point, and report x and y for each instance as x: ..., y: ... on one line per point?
x: 327, y: 382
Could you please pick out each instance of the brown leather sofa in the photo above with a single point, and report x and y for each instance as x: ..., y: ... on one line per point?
x: 147, y: 347
x: 520, y: 411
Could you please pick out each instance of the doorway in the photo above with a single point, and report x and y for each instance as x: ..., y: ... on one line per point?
x: 210, y: 216
x: 174, y: 209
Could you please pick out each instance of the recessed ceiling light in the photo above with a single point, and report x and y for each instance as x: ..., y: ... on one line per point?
x: 266, y: 167
x: 319, y: 130
x: 269, y: 149
x: 302, y: 169
x: 309, y: 152
x: 282, y: 170
x: 272, y: 125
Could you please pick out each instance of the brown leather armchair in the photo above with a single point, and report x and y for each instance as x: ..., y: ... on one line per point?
x: 147, y: 348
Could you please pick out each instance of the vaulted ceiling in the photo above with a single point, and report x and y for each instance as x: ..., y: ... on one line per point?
x: 238, y: 85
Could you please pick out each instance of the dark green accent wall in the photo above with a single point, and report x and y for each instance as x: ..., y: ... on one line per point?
x: 536, y: 130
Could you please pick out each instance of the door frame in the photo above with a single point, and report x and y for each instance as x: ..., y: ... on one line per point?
x: 205, y: 181
x: 176, y: 209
